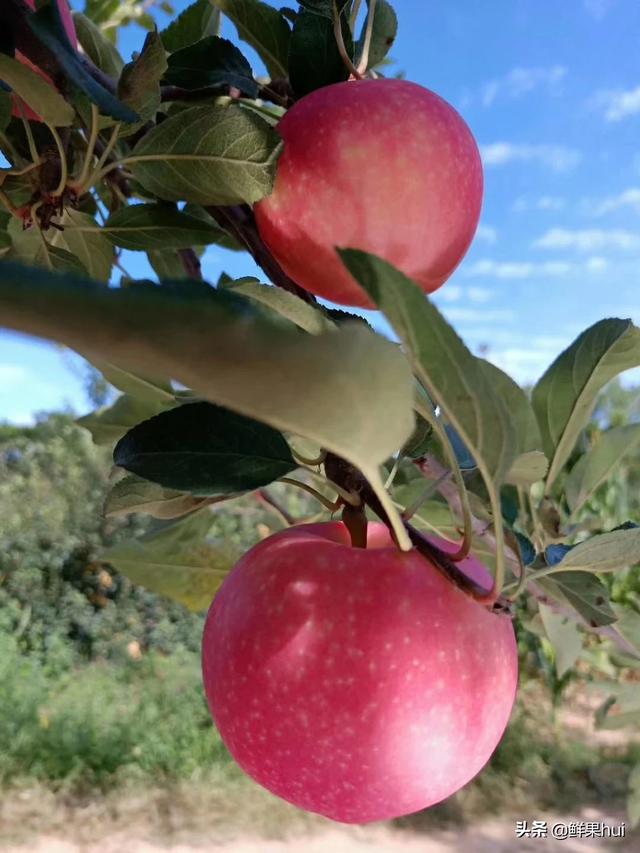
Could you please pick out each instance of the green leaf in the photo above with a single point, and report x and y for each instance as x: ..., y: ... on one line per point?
x: 46, y: 24
x: 220, y: 155
x: 196, y: 22
x: 385, y: 30
x: 214, y: 61
x: 82, y: 237
x: 451, y: 373
x: 527, y: 469
x: 633, y: 797
x: 43, y: 98
x: 349, y: 390
x: 286, y: 304
x: 564, y: 397
x: 264, y: 28
x: 166, y: 264
x: 628, y: 626
x: 31, y: 247
x: 607, y: 552
x: 139, y: 84
x: 223, y: 238
x: 146, y: 389
x: 592, y: 469
x: 133, y: 494
x: 314, y: 58
x: 145, y: 227
x: 205, y: 450
x: 97, y: 47
x: 109, y: 424
x: 178, y: 561
x: 6, y: 108
x: 564, y: 636
x: 584, y: 592
x: 518, y: 405
x: 324, y: 7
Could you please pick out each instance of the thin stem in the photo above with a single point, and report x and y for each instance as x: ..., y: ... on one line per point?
x: 276, y: 507
x: 347, y: 496
x: 100, y: 170
x: 91, y: 147
x: 306, y: 460
x: 62, y: 154
x: 538, y: 537
x: 342, y: 50
x: 427, y: 492
x: 430, y: 416
x: 392, y: 474
x: 33, y: 151
x: 8, y: 148
x: 331, y: 506
x: 17, y: 173
x: 366, y: 47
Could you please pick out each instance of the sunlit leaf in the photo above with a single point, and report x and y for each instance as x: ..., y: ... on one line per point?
x: 38, y: 93
x: 592, y: 469
x: 564, y: 397
x: 564, y: 636
x: 179, y: 561
x: 219, y: 155
x: 264, y: 28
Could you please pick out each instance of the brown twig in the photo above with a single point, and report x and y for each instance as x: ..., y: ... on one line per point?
x: 240, y: 222
x: 191, y: 263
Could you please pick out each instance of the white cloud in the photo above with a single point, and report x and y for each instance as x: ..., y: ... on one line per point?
x: 596, y: 264
x: 558, y: 158
x: 13, y: 374
x: 627, y: 198
x: 449, y: 293
x: 588, y: 239
x: 479, y: 315
x: 487, y: 233
x: 516, y: 269
x: 617, y: 104
x: 544, y: 202
x: 479, y: 294
x: 521, y: 81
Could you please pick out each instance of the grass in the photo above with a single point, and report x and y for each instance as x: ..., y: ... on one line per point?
x: 107, y: 736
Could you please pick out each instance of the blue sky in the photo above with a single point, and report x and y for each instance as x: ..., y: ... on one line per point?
x: 551, y: 91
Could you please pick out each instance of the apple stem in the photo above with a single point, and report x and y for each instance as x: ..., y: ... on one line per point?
x: 342, y: 50
x: 264, y: 496
x: 355, y: 520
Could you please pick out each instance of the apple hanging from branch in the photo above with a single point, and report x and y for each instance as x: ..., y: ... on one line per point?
x: 357, y: 683
x: 385, y: 166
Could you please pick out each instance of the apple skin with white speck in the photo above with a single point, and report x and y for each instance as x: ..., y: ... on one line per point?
x: 384, y: 166
x: 357, y: 683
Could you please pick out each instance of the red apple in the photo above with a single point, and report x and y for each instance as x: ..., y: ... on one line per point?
x: 357, y: 683
x: 65, y: 11
x: 385, y: 166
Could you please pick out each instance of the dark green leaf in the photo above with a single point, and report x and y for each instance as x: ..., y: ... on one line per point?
x: 213, y: 61
x: 264, y: 28
x: 447, y: 369
x: 144, y: 227
x: 220, y: 155
x: 139, y: 84
x: 585, y: 592
x: 565, y: 396
x: 97, y: 47
x: 166, y: 265
x: 196, y: 22
x: 41, y: 95
x: 46, y: 24
x: 205, y: 450
x: 83, y: 238
x: 6, y: 107
x: 314, y: 58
